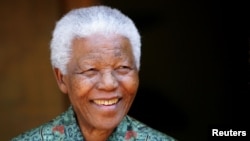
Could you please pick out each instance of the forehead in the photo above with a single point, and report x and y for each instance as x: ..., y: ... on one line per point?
x: 98, y: 45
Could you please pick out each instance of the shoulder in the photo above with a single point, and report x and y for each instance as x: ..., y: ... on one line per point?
x: 148, y: 133
x: 56, y: 129
x: 37, y: 133
x: 131, y: 129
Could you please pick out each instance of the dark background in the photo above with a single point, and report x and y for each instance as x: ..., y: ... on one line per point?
x: 195, y: 70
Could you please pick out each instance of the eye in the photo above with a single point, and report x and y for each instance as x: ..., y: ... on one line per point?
x: 91, y: 69
x: 89, y: 72
x: 123, y: 69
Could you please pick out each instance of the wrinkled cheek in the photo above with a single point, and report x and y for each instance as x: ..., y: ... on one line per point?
x: 134, y: 86
x: 76, y: 90
x: 80, y: 85
x: 132, y: 90
x: 77, y: 97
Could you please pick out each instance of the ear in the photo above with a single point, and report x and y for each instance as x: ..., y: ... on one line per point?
x: 60, y: 78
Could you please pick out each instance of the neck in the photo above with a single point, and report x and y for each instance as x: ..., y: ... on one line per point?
x: 95, y: 134
x: 91, y: 133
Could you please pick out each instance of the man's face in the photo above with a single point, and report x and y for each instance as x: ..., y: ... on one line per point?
x: 101, y: 80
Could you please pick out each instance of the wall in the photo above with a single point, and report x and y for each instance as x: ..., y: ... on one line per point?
x: 28, y: 92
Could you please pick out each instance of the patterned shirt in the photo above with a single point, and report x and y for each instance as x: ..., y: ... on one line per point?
x: 65, y: 128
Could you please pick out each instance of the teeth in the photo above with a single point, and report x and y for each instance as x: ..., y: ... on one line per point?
x: 106, y: 102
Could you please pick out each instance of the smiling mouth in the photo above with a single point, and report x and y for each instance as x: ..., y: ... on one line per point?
x: 106, y: 102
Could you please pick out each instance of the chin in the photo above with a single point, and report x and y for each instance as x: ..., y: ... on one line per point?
x: 109, y: 123
x: 107, y: 126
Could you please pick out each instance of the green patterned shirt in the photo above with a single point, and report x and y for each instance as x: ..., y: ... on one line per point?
x: 65, y: 128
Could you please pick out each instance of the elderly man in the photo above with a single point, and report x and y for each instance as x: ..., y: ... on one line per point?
x: 95, y: 54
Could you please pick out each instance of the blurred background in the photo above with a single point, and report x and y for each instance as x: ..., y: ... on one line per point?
x: 194, y: 71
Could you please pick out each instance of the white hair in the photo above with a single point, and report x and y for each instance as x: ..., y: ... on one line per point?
x: 83, y: 22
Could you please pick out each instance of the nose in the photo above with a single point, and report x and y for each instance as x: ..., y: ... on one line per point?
x: 107, y: 82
